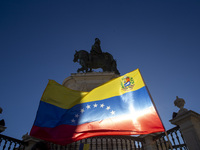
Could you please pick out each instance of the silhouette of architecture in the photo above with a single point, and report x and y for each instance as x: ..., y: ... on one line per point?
x: 185, y: 135
x: 2, y: 122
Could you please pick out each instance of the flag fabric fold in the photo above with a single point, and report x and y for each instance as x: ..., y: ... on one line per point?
x: 121, y: 106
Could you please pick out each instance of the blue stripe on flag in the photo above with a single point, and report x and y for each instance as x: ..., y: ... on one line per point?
x: 52, y: 116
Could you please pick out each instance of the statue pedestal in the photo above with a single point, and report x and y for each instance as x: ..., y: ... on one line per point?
x: 189, y: 122
x: 88, y: 81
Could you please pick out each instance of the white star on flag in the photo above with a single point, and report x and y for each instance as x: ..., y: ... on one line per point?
x: 112, y: 112
x: 102, y: 105
x: 95, y: 105
x: 108, y: 107
x: 73, y: 120
x: 82, y: 110
x: 76, y: 115
x: 88, y: 106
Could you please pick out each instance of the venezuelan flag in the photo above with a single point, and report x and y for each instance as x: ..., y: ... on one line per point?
x: 121, y: 106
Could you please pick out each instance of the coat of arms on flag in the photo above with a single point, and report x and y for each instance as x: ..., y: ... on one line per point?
x: 127, y: 83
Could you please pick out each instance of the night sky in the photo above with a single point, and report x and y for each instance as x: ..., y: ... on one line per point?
x: 38, y: 40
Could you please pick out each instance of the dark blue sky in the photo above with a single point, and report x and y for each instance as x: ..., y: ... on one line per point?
x: 38, y: 40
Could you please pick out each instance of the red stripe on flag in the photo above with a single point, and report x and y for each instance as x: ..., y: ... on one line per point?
x: 65, y: 134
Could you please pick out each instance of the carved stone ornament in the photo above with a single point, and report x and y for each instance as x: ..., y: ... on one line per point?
x: 179, y: 102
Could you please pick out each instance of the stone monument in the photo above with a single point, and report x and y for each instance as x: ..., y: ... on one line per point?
x: 95, y: 59
x: 89, y: 80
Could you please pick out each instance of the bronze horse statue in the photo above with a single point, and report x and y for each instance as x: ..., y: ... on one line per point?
x: 88, y: 62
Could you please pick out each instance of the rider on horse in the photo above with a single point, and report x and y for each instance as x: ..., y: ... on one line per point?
x: 96, y: 49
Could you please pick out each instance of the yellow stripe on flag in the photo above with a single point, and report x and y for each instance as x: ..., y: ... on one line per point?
x: 113, y: 88
x: 61, y: 96
x: 66, y: 98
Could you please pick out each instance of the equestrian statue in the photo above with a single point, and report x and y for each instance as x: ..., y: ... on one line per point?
x: 95, y: 59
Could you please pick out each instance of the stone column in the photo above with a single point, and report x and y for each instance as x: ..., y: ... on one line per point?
x: 189, y: 122
x: 149, y: 142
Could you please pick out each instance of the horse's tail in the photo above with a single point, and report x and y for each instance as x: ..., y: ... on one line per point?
x: 114, y: 67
